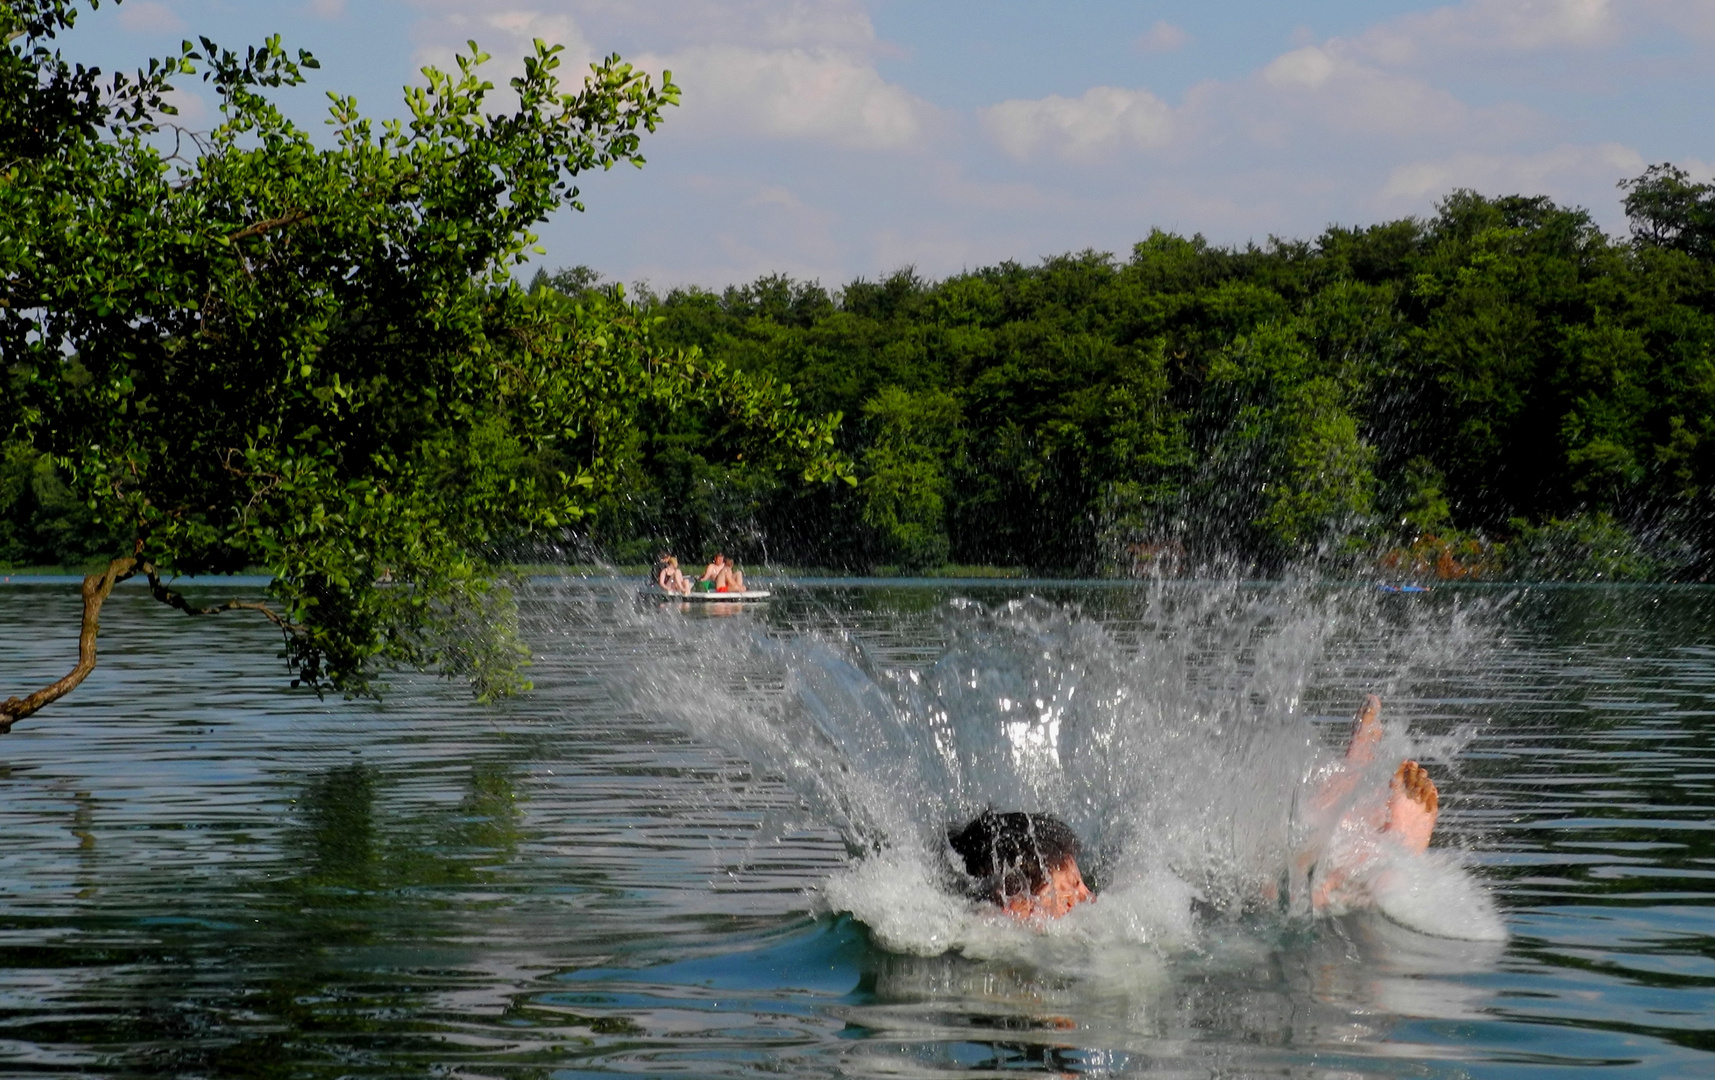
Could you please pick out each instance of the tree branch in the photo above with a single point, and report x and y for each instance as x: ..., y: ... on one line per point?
x: 261, y: 227
x: 95, y: 590
x: 176, y: 600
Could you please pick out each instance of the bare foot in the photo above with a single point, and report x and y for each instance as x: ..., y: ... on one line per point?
x: 1366, y: 731
x: 1414, y: 806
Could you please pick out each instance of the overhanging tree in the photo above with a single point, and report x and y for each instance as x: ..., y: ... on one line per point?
x: 248, y: 350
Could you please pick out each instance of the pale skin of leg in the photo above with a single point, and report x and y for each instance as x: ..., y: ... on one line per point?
x: 673, y: 579
x: 1413, y: 807
x: 1413, y: 804
x: 1366, y: 731
x: 729, y: 579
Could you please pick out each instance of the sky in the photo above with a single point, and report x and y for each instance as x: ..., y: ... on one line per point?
x: 838, y: 139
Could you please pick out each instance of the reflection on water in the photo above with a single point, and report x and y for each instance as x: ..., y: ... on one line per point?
x: 1352, y: 986
x: 208, y: 874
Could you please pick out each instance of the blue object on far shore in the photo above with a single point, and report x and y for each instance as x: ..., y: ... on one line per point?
x: 1403, y: 588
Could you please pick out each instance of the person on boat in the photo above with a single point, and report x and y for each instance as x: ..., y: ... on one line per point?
x: 721, y: 576
x: 712, y: 573
x: 668, y: 575
x: 1024, y: 864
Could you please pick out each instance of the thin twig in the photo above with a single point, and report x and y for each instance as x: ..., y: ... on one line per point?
x: 274, y: 479
x: 176, y: 599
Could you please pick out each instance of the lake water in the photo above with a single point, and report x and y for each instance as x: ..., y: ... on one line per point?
x: 706, y: 844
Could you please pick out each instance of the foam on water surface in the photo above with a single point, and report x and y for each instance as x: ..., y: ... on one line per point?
x: 1433, y: 894
x: 906, y: 905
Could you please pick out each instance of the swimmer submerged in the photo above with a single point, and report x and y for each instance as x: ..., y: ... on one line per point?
x: 1027, y: 864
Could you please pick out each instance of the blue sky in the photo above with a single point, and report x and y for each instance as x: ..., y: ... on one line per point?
x: 832, y: 139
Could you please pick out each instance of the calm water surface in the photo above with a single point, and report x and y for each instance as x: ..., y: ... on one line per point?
x: 205, y: 873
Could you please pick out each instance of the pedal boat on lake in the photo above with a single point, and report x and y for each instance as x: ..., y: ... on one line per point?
x: 705, y: 596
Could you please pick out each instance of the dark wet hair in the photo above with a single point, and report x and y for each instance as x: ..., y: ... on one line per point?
x: 1013, y: 854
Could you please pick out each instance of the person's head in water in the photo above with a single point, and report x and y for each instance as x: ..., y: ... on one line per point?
x: 1026, y: 863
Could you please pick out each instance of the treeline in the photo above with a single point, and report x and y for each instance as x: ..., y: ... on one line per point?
x: 1501, y: 390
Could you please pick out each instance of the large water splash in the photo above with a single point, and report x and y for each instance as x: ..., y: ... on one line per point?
x: 1176, y: 736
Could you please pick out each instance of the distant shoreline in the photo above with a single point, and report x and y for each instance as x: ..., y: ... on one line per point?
x: 584, y: 570
x: 823, y: 576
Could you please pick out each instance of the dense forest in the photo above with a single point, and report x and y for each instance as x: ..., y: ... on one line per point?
x: 1499, y: 391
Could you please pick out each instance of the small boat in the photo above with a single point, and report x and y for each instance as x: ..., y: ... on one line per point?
x: 707, y: 597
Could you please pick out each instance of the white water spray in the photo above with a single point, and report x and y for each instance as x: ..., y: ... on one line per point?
x: 1177, y: 740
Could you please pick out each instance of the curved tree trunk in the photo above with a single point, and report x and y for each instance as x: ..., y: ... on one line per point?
x: 95, y: 590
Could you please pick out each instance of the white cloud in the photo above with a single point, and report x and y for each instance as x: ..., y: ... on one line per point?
x: 193, y: 112
x: 1104, y: 119
x: 794, y: 93
x: 1326, y: 85
x: 1565, y: 172
x: 1314, y: 97
x: 1163, y: 37
x: 149, y: 17
x: 799, y: 69
x: 508, y: 36
x: 1337, y: 128
x: 1308, y: 67
x: 837, y: 25
x: 327, y: 9
x: 675, y: 24
x: 1490, y: 25
x: 1376, y: 123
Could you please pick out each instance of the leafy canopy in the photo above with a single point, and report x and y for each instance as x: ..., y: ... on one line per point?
x: 1500, y: 375
x: 243, y: 348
